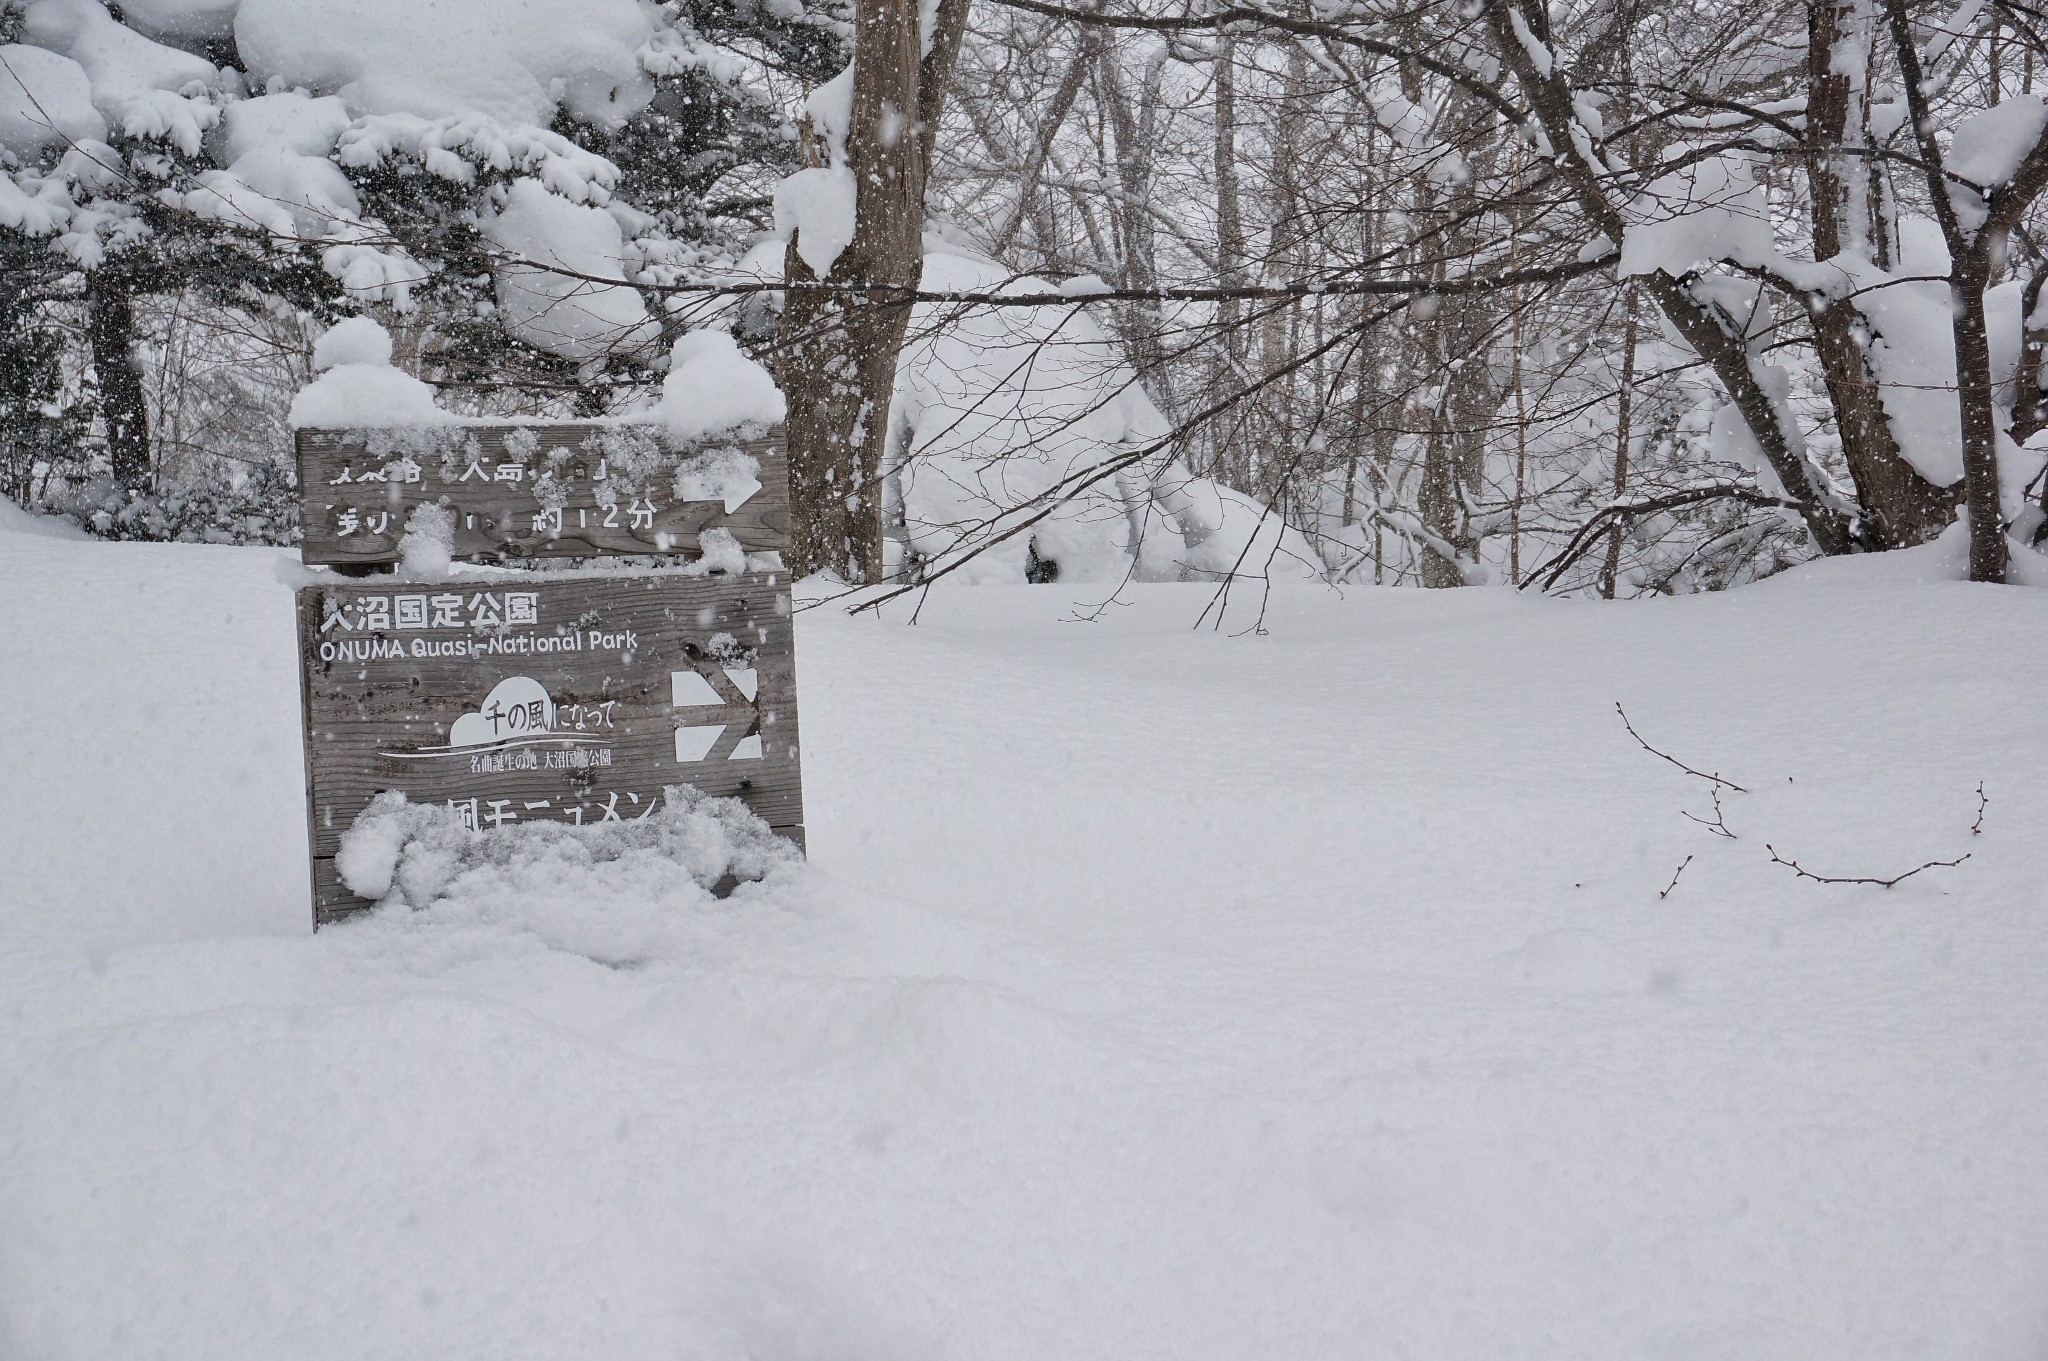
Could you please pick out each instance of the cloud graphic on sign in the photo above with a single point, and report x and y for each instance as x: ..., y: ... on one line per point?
x: 507, y: 712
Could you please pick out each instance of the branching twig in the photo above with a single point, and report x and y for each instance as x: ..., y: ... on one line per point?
x: 1805, y: 873
x: 1983, y: 802
x: 1665, y: 892
x: 1719, y: 825
x: 1699, y: 774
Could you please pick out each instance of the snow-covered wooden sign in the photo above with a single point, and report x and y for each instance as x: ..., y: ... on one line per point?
x: 526, y: 491
x: 538, y: 696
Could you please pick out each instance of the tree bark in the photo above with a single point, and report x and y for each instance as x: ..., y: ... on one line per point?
x: 1970, y: 254
x: 1610, y: 570
x: 1230, y: 246
x: 1900, y: 507
x: 124, y: 408
x: 838, y: 361
x: 1971, y: 276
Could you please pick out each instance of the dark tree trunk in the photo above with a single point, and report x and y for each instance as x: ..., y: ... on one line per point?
x: 1970, y: 277
x: 1899, y: 507
x: 1625, y: 405
x: 124, y: 409
x: 1971, y: 250
x: 838, y: 362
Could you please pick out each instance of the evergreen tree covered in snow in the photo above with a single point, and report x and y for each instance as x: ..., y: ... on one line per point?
x: 502, y: 180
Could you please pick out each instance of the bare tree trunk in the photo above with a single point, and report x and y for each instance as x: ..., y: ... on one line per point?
x: 124, y: 407
x: 1625, y: 409
x: 1230, y: 243
x: 1516, y: 379
x: 1900, y: 507
x: 1970, y: 253
x: 2030, y: 384
x: 1133, y: 118
x: 838, y: 366
x: 1979, y: 417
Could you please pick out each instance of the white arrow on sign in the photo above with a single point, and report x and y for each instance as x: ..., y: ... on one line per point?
x: 746, y: 487
x: 734, y: 491
x: 693, y: 690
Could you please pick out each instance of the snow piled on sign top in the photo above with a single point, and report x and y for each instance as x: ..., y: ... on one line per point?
x: 712, y: 388
x: 358, y: 388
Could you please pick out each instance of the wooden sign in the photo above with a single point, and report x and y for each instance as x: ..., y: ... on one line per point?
x: 531, y: 491
x: 538, y: 696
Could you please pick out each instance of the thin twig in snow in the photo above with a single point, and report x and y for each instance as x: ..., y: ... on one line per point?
x: 1700, y: 774
x: 1665, y: 892
x: 1805, y: 873
x: 1719, y: 825
x: 1983, y: 802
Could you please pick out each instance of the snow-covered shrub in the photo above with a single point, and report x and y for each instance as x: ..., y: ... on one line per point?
x: 1002, y: 412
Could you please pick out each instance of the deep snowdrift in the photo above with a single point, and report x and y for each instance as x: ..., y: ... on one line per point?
x: 1151, y: 992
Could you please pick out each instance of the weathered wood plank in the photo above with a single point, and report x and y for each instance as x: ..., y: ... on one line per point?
x: 522, y: 697
x: 530, y: 491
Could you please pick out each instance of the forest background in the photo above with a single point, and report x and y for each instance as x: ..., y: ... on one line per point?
x: 1619, y: 298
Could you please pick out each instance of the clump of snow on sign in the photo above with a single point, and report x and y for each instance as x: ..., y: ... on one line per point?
x: 728, y: 475
x: 713, y: 389
x: 358, y: 340
x: 427, y: 548
x: 45, y: 100
x: 718, y: 552
x: 582, y: 882
x: 359, y: 388
x: 552, y: 292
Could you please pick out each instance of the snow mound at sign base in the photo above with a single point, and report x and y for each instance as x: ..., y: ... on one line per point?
x: 596, y: 891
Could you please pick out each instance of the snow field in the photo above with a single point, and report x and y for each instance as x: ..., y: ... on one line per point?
x: 1150, y: 992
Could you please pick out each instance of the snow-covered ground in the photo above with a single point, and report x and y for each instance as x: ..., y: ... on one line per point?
x: 1152, y: 992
